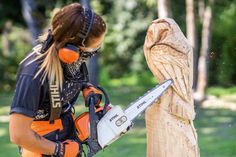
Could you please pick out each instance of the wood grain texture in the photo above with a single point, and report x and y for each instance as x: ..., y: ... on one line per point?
x: 169, y: 123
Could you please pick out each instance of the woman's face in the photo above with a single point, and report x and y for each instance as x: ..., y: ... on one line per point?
x: 93, y: 45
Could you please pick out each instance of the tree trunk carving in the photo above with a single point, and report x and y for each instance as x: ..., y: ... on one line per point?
x: 169, y: 122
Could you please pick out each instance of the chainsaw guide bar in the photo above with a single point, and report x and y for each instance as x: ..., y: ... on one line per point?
x: 140, y: 105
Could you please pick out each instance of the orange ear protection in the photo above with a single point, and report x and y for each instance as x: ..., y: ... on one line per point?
x: 69, y: 53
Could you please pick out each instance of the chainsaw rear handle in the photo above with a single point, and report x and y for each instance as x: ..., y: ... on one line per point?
x: 92, y: 141
x: 93, y: 118
x: 107, y: 101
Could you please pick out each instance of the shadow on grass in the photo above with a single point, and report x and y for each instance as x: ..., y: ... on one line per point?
x: 216, y: 132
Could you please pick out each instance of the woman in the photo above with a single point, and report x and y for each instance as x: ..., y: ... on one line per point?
x: 49, y: 80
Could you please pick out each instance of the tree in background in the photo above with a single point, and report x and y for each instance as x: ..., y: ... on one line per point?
x: 123, y: 47
x: 14, y: 41
x: 163, y: 8
x: 5, y: 38
x: 223, y: 56
x: 127, y: 22
x: 191, y: 35
x: 33, y: 18
x: 6, y: 23
x: 204, y: 51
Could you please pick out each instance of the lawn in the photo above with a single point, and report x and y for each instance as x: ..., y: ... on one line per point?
x: 215, y: 127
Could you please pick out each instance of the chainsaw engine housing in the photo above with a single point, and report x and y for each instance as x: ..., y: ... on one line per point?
x: 112, y: 125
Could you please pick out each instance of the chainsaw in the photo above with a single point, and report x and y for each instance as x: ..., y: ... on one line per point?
x: 99, y: 127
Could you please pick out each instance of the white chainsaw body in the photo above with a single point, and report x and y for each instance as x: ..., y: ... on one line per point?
x: 112, y: 126
x: 117, y: 121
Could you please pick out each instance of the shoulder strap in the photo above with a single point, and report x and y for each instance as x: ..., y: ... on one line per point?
x: 55, y: 99
x: 55, y: 102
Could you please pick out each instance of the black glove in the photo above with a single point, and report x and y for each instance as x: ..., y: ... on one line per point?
x: 68, y: 148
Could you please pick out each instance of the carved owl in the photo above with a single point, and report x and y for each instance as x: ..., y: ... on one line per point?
x: 170, y: 56
x: 169, y: 122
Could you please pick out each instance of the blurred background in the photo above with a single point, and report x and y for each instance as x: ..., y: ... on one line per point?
x: 121, y: 67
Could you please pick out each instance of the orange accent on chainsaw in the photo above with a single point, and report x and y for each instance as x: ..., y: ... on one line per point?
x: 82, y: 123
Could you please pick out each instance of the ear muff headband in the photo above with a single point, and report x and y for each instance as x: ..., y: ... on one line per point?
x: 69, y: 53
x: 88, y: 22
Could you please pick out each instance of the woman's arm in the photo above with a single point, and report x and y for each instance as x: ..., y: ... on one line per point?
x: 22, y: 135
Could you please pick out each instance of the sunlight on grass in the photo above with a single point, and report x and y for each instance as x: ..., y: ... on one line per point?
x: 131, y: 81
x: 223, y: 119
x: 208, y: 130
x: 4, y: 110
x: 4, y: 118
x: 229, y: 97
x: 3, y: 132
x: 137, y: 140
x: 220, y: 91
x: 144, y: 79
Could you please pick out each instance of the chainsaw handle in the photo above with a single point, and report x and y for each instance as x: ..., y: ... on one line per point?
x: 107, y: 101
x: 92, y: 141
x: 93, y: 119
x: 92, y: 114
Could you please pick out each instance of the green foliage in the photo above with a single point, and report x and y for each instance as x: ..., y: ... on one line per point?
x: 227, y: 71
x: 179, y: 13
x: 127, y: 23
x: 223, y: 53
x: 144, y: 79
x: 10, y: 10
x: 19, y: 46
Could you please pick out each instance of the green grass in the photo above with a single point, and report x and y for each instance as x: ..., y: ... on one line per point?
x: 216, y: 132
x: 6, y: 149
x: 220, y: 91
x: 215, y: 127
x: 227, y: 94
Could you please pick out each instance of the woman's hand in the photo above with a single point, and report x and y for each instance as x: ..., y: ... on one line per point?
x: 22, y: 135
x: 90, y: 91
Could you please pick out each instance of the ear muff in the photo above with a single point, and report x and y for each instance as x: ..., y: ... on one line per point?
x: 68, y: 54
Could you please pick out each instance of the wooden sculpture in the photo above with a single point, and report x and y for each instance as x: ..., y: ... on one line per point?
x: 169, y: 122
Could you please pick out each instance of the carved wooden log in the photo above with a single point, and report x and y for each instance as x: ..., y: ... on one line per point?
x: 169, y: 122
